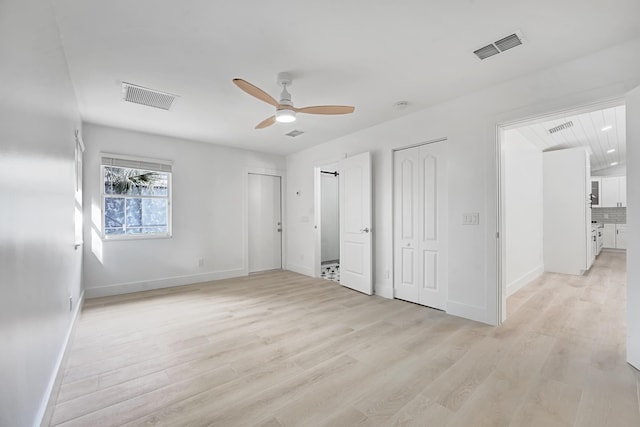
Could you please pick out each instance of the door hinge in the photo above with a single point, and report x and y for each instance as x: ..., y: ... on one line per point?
x: 497, y: 234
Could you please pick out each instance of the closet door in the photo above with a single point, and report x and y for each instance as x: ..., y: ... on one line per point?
x: 420, y: 203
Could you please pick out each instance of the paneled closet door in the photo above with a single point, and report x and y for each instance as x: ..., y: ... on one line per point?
x: 420, y: 203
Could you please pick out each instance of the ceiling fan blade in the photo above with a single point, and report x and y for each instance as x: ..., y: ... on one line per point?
x: 326, y: 109
x: 266, y: 122
x: 255, y: 91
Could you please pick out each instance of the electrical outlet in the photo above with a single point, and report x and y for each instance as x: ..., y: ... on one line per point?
x: 200, y: 262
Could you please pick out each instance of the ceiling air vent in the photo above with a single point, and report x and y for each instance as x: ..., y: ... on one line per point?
x: 487, y: 51
x: 500, y: 46
x: 508, y: 42
x: 149, y: 97
x: 563, y: 126
x: 294, y: 133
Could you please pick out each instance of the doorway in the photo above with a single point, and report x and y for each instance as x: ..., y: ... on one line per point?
x: 264, y: 222
x: 551, y: 212
x: 354, y: 193
x: 420, y: 224
x: 330, y: 223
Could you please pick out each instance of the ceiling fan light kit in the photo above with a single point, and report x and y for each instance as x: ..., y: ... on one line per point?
x: 285, y: 116
x: 285, y: 111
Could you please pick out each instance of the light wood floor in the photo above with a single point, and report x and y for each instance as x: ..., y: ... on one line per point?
x: 281, y: 349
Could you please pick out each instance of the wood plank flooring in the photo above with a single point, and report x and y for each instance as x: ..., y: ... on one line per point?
x: 280, y: 349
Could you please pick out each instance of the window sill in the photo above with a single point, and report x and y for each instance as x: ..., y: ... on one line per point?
x: 120, y: 237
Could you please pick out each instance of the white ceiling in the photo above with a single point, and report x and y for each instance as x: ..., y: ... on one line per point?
x: 599, y: 131
x: 366, y: 53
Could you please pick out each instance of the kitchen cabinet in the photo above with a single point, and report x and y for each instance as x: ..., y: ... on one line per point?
x: 615, y: 236
x: 613, y: 192
x: 596, y: 184
x: 567, y: 235
x: 621, y: 236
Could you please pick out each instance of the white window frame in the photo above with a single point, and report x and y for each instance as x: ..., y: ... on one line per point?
x: 143, y: 163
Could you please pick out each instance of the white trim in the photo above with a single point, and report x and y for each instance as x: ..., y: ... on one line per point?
x: 471, y: 312
x: 167, y: 282
x: 317, y: 215
x: 300, y: 269
x: 245, y: 212
x: 141, y: 236
x: 45, y: 412
x: 501, y: 126
x: 525, y: 279
x: 141, y: 159
x: 384, y: 291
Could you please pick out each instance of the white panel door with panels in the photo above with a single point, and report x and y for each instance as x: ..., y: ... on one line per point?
x: 265, y: 222
x: 420, y: 225
x: 355, y: 223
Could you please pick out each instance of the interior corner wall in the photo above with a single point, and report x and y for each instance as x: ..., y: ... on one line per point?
x: 39, y: 266
x: 523, y: 202
x: 633, y: 227
x: 208, y: 209
x: 470, y: 125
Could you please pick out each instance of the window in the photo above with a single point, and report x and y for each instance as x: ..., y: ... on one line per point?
x: 136, y: 197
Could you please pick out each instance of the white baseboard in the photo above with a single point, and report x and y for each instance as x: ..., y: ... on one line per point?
x: 301, y: 270
x: 168, y: 282
x: 53, y: 388
x: 471, y: 312
x: 521, y: 281
x: 384, y: 290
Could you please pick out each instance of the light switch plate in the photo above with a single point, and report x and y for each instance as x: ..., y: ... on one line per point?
x: 471, y: 218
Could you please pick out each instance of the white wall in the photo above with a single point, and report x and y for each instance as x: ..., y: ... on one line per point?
x: 522, y: 166
x: 469, y: 124
x: 330, y: 227
x: 39, y: 267
x: 633, y: 229
x: 618, y: 170
x: 209, y: 214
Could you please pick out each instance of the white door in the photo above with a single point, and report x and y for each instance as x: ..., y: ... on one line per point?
x: 633, y: 224
x: 355, y: 223
x: 420, y: 225
x: 265, y: 223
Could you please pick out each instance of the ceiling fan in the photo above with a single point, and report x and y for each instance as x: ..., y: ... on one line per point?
x: 285, y: 111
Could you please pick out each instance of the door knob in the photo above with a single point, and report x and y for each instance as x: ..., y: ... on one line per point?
x: 365, y: 230
x: 279, y: 230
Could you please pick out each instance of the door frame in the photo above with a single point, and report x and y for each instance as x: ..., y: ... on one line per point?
x: 245, y: 213
x: 317, y: 212
x: 393, y: 209
x: 501, y: 267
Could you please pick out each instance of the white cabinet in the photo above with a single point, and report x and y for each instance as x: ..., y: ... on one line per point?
x: 596, y: 184
x: 615, y: 236
x: 609, y: 236
x: 613, y: 192
x: 621, y: 236
x: 567, y: 240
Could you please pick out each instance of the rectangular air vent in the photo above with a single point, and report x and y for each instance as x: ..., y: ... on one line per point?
x: 294, y: 133
x: 505, y: 43
x: 563, y: 126
x: 145, y: 96
x: 487, y: 51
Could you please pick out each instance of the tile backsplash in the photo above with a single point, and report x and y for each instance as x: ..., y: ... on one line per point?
x: 609, y: 215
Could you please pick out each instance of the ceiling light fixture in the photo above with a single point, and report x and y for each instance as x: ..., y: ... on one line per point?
x: 285, y: 115
x: 613, y: 164
x: 606, y: 128
x: 612, y: 150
